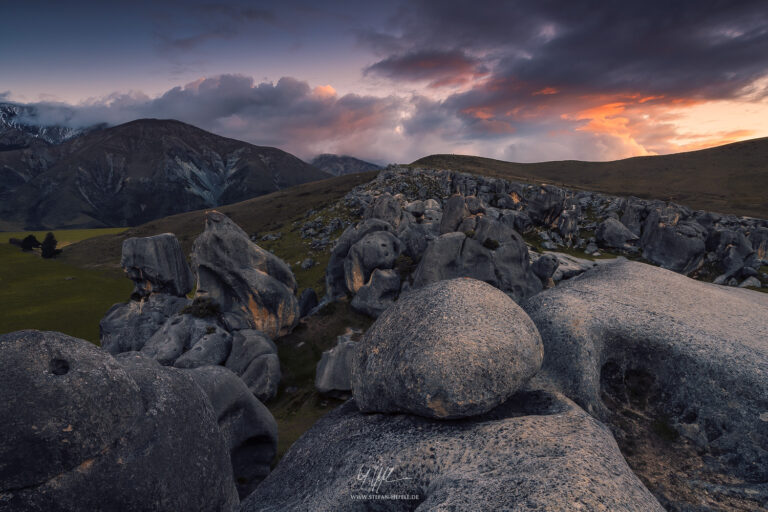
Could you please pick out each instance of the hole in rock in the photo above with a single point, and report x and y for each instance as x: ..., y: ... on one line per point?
x: 58, y: 366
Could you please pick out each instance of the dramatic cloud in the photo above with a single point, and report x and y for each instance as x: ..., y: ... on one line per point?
x: 288, y: 114
x: 563, y: 76
x: 439, y: 68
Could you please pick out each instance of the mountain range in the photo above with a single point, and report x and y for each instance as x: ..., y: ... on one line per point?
x: 133, y: 173
x: 338, y: 165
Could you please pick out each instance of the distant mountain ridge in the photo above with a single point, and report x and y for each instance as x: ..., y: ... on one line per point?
x: 136, y: 172
x: 21, y: 128
x: 339, y: 165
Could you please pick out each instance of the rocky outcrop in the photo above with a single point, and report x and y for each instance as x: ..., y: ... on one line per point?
x: 495, y: 253
x: 689, y: 355
x: 452, y: 349
x: 537, y: 451
x: 615, y: 235
x: 673, y: 243
x: 335, y: 278
x: 252, y: 287
x: 240, y: 287
x: 377, y: 250
x: 156, y: 264
x: 94, y: 432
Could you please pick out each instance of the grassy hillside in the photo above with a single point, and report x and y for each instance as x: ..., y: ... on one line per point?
x: 727, y: 179
x: 269, y: 213
x: 53, y: 295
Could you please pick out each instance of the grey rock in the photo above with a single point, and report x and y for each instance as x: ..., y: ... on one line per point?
x: 696, y: 352
x: 416, y: 208
x: 244, y: 279
x: 179, y: 334
x: 93, y: 432
x: 506, y: 267
x: 334, y: 371
x: 731, y: 249
x: 519, y: 221
x: 613, y: 234
x: 128, y: 326
x: 254, y: 359
x: 378, y: 293
x: 212, y: 348
x: 452, y: 349
x: 591, y: 248
x: 308, y: 263
x: 385, y: 208
x: 568, y: 223
x: 545, y: 267
x: 544, y: 204
x: 751, y: 281
x: 307, y: 302
x: 335, y: 279
x: 263, y: 376
x: 538, y: 451
x: 376, y: 250
x: 249, y: 429
x: 474, y: 205
x: 415, y: 240
x: 673, y: 243
x: 758, y: 238
x: 156, y: 264
x: 454, y: 212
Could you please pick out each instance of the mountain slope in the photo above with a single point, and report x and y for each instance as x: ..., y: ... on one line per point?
x: 727, y: 179
x: 20, y: 128
x: 136, y: 172
x: 339, y: 165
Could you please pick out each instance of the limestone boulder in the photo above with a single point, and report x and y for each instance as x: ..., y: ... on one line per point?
x: 452, y: 349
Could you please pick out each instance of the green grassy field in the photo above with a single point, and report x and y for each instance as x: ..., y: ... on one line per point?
x: 52, y: 295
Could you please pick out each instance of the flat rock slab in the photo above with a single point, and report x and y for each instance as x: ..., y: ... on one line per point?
x: 451, y: 349
x: 538, y: 451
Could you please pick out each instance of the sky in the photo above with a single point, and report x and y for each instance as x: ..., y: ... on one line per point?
x: 394, y: 81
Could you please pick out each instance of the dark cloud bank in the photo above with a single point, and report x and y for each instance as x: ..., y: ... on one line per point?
x: 517, y: 80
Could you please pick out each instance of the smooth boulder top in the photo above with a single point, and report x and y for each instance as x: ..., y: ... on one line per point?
x: 537, y: 451
x: 451, y: 349
x: 702, y: 349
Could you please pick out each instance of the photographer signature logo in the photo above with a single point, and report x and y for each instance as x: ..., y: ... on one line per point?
x: 374, y: 478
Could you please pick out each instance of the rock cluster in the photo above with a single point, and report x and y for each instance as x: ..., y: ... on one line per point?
x: 245, y: 295
x: 631, y: 339
x: 88, y: 431
x: 402, y: 244
x: 422, y: 206
x: 450, y: 360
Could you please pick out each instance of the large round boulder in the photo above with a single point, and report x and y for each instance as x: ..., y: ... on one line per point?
x: 83, y: 430
x: 451, y: 349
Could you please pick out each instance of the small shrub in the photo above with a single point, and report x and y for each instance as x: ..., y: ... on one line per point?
x: 469, y: 234
x: 202, y: 307
x: 48, y: 247
x: 491, y: 244
x: 29, y: 243
x: 210, y: 329
x: 664, y: 430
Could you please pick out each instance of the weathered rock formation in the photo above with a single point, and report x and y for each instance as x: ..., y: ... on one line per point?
x: 688, y: 355
x: 253, y: 288
x: 334, y: 371
x: 88, y: 431
x: 244, y: 295
x: 453, y: 349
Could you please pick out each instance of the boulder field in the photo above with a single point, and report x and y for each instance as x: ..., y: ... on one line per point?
x: 507, y: 368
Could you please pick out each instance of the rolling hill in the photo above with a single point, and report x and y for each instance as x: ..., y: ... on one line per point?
x: 726, y: 179
x: 136, y: 172
x: 338, y: 165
